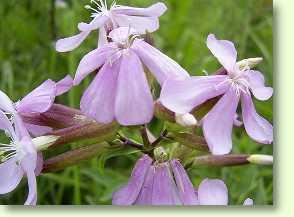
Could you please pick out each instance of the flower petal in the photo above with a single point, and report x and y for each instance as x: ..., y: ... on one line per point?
x: 182, y: 96
x: 98, y: 22
x: 248, y: 202
x: 98, y: 101
x: 217, y: 128
x: 164, y: 189
x: 40, y: 163
x: 128, y: 194
x: 185, y: 187
x: 257, y: 127
x: 155, y: 10
x: 122, y: 34
x: 213, y: 192
x: 102, y: 40
x: 257, y: 85
x: 69, y: 44
x: 64, y: 85
x: 140, y: 24
x: 32, y: 183
x: 224, y: 51
x: 10, y: 176
x: 39, y: 100
x: 6, y: 125
x: 92, y: 61
x: 5, y: 103
x: 133, y: 102
x: 159, y: 64
x: 145, y: 196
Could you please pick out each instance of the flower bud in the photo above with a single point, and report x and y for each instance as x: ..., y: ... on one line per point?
x: 160, y: 154
x: 243, y: 64
x: 261, y: 159
x: 186, y: 120
x: 163, y: 113
x: 249, y: 63
x: 43, y: 142
x: 191, y: 141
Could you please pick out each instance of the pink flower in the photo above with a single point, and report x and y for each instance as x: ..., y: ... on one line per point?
x: 18, y: 158
x: 40, y: 100
x: 156, y: 184
x: 120, y: 90
x: 181, y: 96
x: 142, y: 19
x: 167, y: 183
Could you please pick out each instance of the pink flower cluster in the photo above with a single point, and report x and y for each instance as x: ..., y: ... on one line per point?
x: 121, y: 92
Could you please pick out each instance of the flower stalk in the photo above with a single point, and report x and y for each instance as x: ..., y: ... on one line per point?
x: 88, y: 131
x: 72, y: 157
x: 232, y: 160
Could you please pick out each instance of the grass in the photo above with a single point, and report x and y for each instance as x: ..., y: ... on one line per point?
x: 28, y: 29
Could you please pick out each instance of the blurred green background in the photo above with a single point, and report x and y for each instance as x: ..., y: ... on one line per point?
x: 28, y: 29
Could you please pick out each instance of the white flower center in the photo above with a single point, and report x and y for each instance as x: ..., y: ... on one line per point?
x: 11, y: 150
x: 239, y: 82
x: 100, y: 7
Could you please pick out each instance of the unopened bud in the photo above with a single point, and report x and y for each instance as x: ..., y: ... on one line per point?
x: 186, y: 120
x: 160, y: 154
x: 249, y: 63
x: 163, y: 113
x: 43, y: 142
x: 261, y: 159
x: 191, y: 141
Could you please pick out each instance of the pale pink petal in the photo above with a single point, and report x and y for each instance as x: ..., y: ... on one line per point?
x: 257, y: 85
x: 141, y: 24
x: 5, y: 103
x: 248, y: 202
x: 164, y: 189
x: 102, y: 40
x: 93, y: 61
x: 256, y: 126
x: 133, y: 102
x: 21, y: 131
x: 184, y: 185
x: 64, y: 85
x: 5, y: 125
x: 32, y: 183
x: 224, y: 51
x: 155, y: 10
x: 129, y: 194
x: 145, y: 196
x: 98, y: 100
x: 38, y: 130
x: 69, y: 44
x: 39, y: 100
x: 218, y: 123
x: 121, y: 34
x: 29, y: 165
x: 182, y: 96
x: 10, y: 176
x: 40, y: 163
x: 98, y: 22
x: 159, y: 64
x: 213, y: 192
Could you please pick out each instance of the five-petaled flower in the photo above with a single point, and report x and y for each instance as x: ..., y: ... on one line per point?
x: 142, y: 19
x: 167, y: 183
x: 120, y: 90
x: 37, y: 102
x: 182, y: 96
x: 19, y: 157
